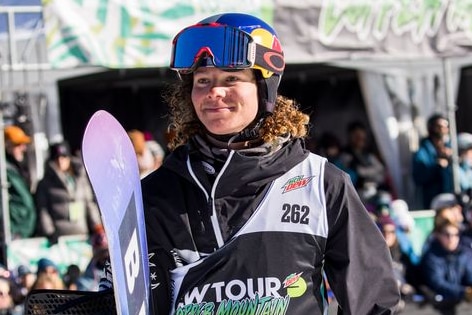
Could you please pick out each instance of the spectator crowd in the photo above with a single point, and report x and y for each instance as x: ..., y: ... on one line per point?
x: 441, y: 274
x: 62, y: 203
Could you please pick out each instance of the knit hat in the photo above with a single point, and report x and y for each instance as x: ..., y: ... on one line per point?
x: 23, y: 270
x: 59, y: 149
x: 445, y: 200
x: 402, y: 215
x: 16, y: 135
x: 384, y: 220
x: 464, y: 141
x: 44, y: 263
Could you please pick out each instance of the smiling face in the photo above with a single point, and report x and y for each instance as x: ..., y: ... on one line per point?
x: 225, y: 101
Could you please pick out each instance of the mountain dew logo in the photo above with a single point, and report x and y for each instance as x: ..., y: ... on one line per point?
x: 295, y: 285
x: 296, y: 182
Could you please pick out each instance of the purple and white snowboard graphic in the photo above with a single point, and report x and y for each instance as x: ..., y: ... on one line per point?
x: 112, y: 167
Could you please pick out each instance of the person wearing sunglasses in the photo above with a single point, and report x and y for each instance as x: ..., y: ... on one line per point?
x: 446, y: 267
x: 241, y: 218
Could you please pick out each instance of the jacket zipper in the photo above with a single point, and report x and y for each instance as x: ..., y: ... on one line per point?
x: 210, y: 197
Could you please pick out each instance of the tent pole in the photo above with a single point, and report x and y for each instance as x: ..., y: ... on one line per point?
x: 5, y: 236
x: 451, y: 115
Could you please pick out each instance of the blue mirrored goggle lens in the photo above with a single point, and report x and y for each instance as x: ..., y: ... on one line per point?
x: 228, y: 47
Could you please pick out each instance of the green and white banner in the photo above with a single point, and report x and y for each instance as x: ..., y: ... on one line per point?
x: 138, y: 33
x: 322, y: 30
x: 74, y: 249
x: 127, y: 33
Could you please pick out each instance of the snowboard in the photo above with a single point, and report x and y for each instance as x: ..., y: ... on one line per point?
x: 111, y: 165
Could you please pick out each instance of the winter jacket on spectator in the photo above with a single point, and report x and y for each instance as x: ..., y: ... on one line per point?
x: 65, y: 203
x: 447, y: 273
x: 428, y: 175
x: 21, y: 203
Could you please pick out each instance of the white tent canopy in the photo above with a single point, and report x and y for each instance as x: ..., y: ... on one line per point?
x: 399, y: 97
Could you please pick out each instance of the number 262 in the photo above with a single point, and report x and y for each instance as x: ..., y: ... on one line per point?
x: 295, y: 214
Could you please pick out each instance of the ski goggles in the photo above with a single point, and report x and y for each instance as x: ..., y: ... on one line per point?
x: 226, y: 46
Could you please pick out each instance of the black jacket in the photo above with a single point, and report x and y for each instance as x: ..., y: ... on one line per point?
x: 180, y: 230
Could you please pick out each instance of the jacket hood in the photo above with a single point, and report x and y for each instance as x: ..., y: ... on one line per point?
x: 252, y: 170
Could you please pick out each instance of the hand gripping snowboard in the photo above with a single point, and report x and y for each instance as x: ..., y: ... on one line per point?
x: 112, y: 167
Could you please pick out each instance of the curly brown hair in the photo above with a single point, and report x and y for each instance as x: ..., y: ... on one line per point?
x: 184, y: 123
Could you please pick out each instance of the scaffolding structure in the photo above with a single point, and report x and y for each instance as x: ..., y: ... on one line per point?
x: 22, y: 54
